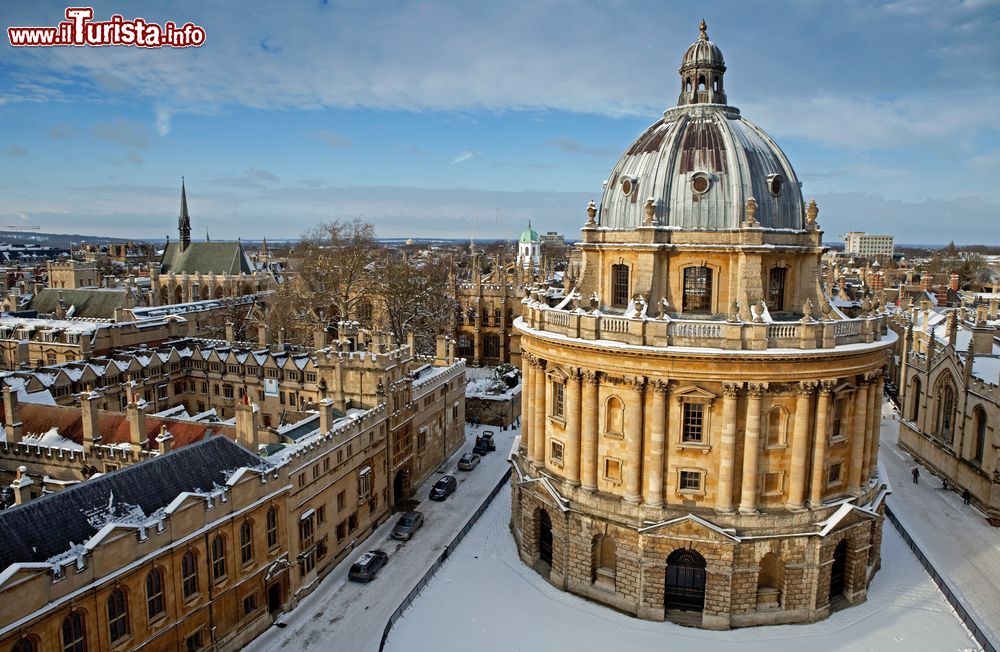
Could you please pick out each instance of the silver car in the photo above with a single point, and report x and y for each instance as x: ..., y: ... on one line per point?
x: 408, y: 523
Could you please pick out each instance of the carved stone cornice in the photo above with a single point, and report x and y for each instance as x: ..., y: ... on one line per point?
x: 807, y: 387
x: 660, y: 386
x: 756, y: 390
x: 590, y: 377
x: 827, y: 386
x: 636, y: 383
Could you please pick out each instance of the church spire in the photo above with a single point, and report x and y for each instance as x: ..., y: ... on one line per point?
x: 184, y: 220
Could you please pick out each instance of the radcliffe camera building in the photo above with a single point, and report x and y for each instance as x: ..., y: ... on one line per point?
x: 700, y: 423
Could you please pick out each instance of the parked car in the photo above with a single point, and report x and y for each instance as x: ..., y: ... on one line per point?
x: 365, y: 568
x: 487, y: 436
x: 408, y: 523
x: 481, y: 447
x: 444, y: 487
x: 468, y: 461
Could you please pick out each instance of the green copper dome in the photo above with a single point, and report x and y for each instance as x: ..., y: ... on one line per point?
x: 529, y: 234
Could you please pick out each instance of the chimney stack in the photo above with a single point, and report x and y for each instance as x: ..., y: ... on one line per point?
x: 230, y: 332
x: 246, y: 425
x: 925, y: 282
x: 22, y: 486
x: 262, y: 335
x: 91, y: 423
x: 953, y: 281
x: 326, y: 415
x: 136, y: 415
x: 12, y: 425
x: 164, y: 440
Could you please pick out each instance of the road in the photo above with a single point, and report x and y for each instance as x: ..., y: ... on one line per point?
x: 960, y: 544
x: 351, y: 616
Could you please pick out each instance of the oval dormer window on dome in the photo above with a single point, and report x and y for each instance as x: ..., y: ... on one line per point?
x: 701, y: 182
x: 774, y: 183
x: 628, y: 185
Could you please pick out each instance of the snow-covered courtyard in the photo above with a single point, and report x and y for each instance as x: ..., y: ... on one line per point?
x: 485, y: 599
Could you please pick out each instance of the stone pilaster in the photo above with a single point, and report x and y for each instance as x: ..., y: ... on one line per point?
x: 588, y: 444
x: 751, y: 448
x: 800, y: 446
x: 527, y: 397
x: 820, y: 443
x: 727, y: 449
x: 538, y: 436
x: 654, y: 462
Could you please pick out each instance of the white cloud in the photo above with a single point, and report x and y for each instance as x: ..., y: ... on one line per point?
x: 163, y: 121
x: 462, y: 157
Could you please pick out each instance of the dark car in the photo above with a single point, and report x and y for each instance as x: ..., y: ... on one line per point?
x: 444, y: 487
x: 408, y: 523
x: 487, y: 437
x: 468, y: 462
x: 365, y: 568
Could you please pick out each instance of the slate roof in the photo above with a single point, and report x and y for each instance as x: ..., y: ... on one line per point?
x: 51, y: 525
x: 205, y: 258
x: 99, y: 303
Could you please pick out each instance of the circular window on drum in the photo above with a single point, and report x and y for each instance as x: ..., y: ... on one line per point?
x: 775, y: 183
x: 701, y: 182
x: 628, y: 185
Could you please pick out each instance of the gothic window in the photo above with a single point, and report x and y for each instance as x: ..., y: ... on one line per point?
x: 945, y: 410
x: 117, y: 615
x: 979, y: 416
x: 154, y: 594
x: 697, y: 290
x: 915, y: 389
x: 246, y: 541
x: 25, y: 645
x: 72, y: 633
x: 776, y: 289
x: 491, y: 344
x: 619, y: 285
x: 189, y: 574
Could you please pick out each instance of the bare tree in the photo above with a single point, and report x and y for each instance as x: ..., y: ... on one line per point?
x: 336, y: 268
x: 415, y: 296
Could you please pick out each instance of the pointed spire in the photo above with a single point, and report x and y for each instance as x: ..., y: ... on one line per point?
x: 184, y: 220
x: 207, y: 238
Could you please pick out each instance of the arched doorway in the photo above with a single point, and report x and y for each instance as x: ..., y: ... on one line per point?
x: 838, y: 570
x: 400, y: 487
x: 545, y: 537
x: 274, y: 598
x: 684, y: 588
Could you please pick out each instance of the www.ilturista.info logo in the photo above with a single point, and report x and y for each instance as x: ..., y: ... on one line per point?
x: 80, y: 29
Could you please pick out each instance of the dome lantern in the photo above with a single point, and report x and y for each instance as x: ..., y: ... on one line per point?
x: 702, y: 70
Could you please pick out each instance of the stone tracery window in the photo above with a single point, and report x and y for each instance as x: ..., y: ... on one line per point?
x: 945, y: 410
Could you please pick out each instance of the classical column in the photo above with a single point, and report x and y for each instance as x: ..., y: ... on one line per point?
x: 588, y: 444
x: 538, y: 437
x: 527, y: 424
x: 654, y: 471
x: 751, y: 448
x: 877, y: 428
x: 820, y: 443
x: 633, y: 440
x: 866, y: 459
x: 800, y: 446
x: 573, y: 427
x: 854, y: 479
x: 727, y: 448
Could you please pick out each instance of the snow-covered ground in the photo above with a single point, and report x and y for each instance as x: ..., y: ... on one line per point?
x: 960, y: 544
x: 346, y: 615
x: 485, y: 599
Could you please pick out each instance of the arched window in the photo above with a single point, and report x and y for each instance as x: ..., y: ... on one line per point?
x: 776, y: 289
x: 979, y: 417
x: 25, y: 645
x: 189, y: 574
x: 246, y: 542
x: 915, y: 391
x: 777, y: 427
x: 218, y: 558
x: 619, y: 285
x: 72, y: 633
x: 697, y: 290
x: 770, y: 581
x: 272, y: 527
x: 614, y: 416
x: 715, y: 83
x: 701, y: 82
x: 117, y: 615
x: 945, y: 410
x: 154, y: 594
x: 687, y: 85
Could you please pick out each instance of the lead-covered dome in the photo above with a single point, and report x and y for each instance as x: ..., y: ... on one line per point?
x: 702, y: 162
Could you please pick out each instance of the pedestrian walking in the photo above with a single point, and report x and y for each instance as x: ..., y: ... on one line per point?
x: 944, y: 483
x: 916, y: 475
x: 966, y: 495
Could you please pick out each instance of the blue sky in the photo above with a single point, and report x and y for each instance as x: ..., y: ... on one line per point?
x: 456, y: 119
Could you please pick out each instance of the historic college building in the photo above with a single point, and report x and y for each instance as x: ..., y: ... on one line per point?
x: 701, y: 424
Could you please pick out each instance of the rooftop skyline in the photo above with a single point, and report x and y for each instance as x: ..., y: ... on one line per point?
x: 452, y: 120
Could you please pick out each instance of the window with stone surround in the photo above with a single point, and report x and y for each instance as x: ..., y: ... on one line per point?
x: 776, y: 289
x: 556, y: 452
x: 619, y: 285
x: 697, y: 291
x: 835, y: 474
x: 612, y: 470
x: 839, y: 428
x: 689, y: 481
x: 693, y: 422
x: 558, y: 399
x: 773, y: 483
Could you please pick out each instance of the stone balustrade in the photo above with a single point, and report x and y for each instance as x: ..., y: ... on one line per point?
x: 723, y: 335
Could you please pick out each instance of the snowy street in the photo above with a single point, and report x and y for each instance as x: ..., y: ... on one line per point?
x: 351, y: 616
x: 485, y: 599
x: 956, y: 538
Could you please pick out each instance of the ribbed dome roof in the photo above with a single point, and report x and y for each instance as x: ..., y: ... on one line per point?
x: 529, y: 234
x: 702, y: 162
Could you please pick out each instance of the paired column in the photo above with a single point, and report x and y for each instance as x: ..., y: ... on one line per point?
x: 860, y: 424
x: 727, y: 448
x: 527, y: 426
x: 751, y: 448
x: 633, y: 440
x: 871, y: 428
x: 657, y: 423
x: 588, y: 444
x: 821, y: 443
x: 538, y: 437
x: 877, y: 428
x: 800, y: 446
x: 573, y: 427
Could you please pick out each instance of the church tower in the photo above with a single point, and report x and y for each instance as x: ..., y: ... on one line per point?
x: 184, y: 220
